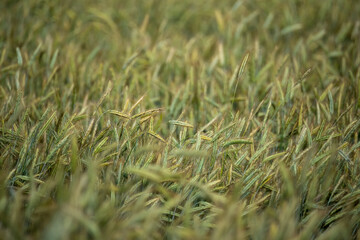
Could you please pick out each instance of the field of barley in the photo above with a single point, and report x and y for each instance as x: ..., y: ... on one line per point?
x: 191, y: 119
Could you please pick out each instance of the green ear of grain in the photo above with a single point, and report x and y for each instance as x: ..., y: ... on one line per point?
x: 119, y: 114
x: 237, y: 141
x: 239, y: 74
x: 19, y: 56
x: 181, y: 124
x: 274, y: 156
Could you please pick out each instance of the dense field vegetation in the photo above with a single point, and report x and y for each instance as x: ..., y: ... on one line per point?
x: 149, y: 119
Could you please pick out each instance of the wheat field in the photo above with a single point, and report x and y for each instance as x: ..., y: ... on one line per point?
x: 150, y: 119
